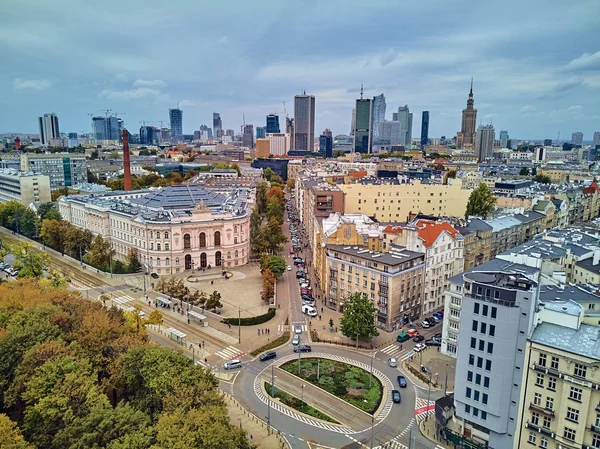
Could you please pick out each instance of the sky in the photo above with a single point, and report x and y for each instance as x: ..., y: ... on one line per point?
x: 535, y: 63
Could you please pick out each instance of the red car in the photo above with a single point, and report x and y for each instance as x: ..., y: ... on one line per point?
x: 412, y: 333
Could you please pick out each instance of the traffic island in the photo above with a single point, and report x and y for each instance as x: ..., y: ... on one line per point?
x: 296, y: 404
x: 431, y: 368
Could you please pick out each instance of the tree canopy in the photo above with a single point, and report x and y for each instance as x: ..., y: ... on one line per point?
x: 481, y: 202
x: 359, y: 317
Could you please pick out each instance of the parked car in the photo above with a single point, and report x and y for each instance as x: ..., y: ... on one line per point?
x: 396, y: 397
x: 302, y: 348
x: 289, y: 268
x: 433, y: 342
x: 309, y: 310
x: 392, y: 362
x: 412, y: 333
x: 268, y: 356
x: 419, y: 347
x: 296, y: 340
x: 439, y: 315
x: 232, y: 364
x: 425, y: 324
x: 402, y: 382
x: 418, y: 338
x: 154, y: 275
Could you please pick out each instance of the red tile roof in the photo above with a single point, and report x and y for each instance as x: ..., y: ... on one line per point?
x: 430, y: 231
x: 393, y: 229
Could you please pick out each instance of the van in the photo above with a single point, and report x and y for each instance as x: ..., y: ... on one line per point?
x: 232, y: 364
x: 403, y: 337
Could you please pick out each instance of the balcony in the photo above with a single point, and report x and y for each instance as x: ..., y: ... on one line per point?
x: 539, y: 408
x: 542, y: 430
x: 595, y: 428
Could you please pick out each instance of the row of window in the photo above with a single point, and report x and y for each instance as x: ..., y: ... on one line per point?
x: 579, y: 369
x: 477, y: 395
x: 476, y: 412
x: 486, y: 380
x: 484, y: 307
x: 480, y: 362
x: 483, y: 328
x: 490, y: 345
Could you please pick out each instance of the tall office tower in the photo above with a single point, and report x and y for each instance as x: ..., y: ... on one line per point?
x: 208, y: 130
x: 577, y: 138
x: 48, y: 128
x: 99, y: 128
x: 113, y: 128
x: 289, y: 126
x: 496, y: 316
x: 229, y: 133
x: 363, y: 128
x: 353, y: 122
x: 326, y: 145
x: 378, y: 114
x: 217, y: 124
x: 596, y: 140
x: 248, y: 136
x: 484, y: 143
x: 390, y: 132
x: 394, y: 116
x: 405, y: 118
x: 424, y: 129
x: 304, y: 122
x: 146, y: 135
x: 503, y: 135
x: 261, y: 132
x: 469, y: 121
x: 272, y: 124
x: 176, y: 119
x: 327, y: 132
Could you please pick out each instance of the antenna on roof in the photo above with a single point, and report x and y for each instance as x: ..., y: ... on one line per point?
x: 361, y: 91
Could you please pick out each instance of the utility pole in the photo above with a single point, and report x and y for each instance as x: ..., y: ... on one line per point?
x: 371, y: 373
x: 239, y: 325
x: 270, y: 399
x: 372, y: 425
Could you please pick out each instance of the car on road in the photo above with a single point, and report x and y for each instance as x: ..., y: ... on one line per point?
x: 297, y: 328
x: 296, y: 340
x: 419, y: 347
x: 309, y: 310
x: 267, y: 356
x: 154, y: 275
x: 392, y: 362
x: 418, y: 338
x: 289, y: 268
x: 439, y: 315
x: 402, y: 382
x: 396, y: 397
x: 412, y: 333
x: 403, y: 337
x: 425, y: 324
x: 302, y: 348
x: 232, y: 364
x: 433, y: 342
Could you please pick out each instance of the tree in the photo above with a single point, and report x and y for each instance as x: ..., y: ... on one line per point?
x: 268, y: 173
x: 290, y: 184
x: 277, y: 192
x: 54, y: 234
x: 29, y: 224
x: 91, y: 178
x: 331, y: 323
x: 258, y: 240
x: 277, y: 181
x: 524, y: 171
x: 133, y: 263
x: 8, y: 211
x: 542, y: 179
x: 268, y: 291
x: 275, y: 209
x: 534, y: 171
x: 359, y: 317
x: 274, y: 235
x: 11, y: 435
x: 155, y: 317
x: 261, y: 196
x: 481, y: 202
x: 214, y: 301
x: 48, y: 211
x: 100, y: 253
x: 94, y: 155
x: 28, y: 262
x: 275, y: 263
x: 78, y: 241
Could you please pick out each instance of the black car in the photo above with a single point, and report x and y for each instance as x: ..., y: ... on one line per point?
x: 431, y: 321
x: 154, y: 275
x: 418, y: 339
x: 396, y: 396
x: 268, y: 356
x: 302, y: 348
x: 402, y: 382
x: 433, y: 342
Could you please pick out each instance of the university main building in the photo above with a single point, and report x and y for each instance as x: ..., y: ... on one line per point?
x: 171, y: 229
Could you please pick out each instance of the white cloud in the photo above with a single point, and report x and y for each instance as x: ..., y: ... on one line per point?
x: 585, y: 61
x: 186, y: 104
x: 158, y: 84
x: 142, y: 93
x: 21, y: 84
x: 574, y: 108
x: 120, y: 77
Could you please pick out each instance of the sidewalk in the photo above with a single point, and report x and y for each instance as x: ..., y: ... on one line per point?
x: 427, y: 429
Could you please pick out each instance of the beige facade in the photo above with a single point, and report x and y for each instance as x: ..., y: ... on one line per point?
x: 26, y: 188
x: 393, y: 202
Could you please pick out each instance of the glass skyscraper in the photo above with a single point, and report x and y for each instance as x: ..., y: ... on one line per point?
x: 378, y: 114
x: 424, y: 129
x: 363, y: 131
x: 176, y: 119
x: 304, y: 122
x: 261, y: 132
x: 272, y: 124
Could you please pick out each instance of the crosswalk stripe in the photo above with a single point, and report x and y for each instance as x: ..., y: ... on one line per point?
x: 228, y: 353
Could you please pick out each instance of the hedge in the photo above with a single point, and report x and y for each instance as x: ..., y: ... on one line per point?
x: 251, y: 321
x: 281, y: 340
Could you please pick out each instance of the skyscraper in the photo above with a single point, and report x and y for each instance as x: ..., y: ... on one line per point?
x: 469, y: 120
x: 217, y: 125
x: 378, y: 114
x: 304, y: 122
x: 146, y: 135
x: 503, y: 135
x: 353, y: 121
x: 394, y: 116
x: 261, y: 132
x: 405, y: 118
x: 272, y: 124
x: 424, y: 129
x: 390, y: 132
x: 577, y: 138
x: 327, y: 132
x: 248, y: 136
x: 176, y: 119
x: 596, y: 141
x: 48, y: 128
x: 363, y: 128
x: 326, y: 145
x: 484, y: 143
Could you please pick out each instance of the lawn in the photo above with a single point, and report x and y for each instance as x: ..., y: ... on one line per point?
x: 347, y: 382
x: 297, y: 404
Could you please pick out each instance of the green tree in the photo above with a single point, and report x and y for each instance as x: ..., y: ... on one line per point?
x: 275, y: 263
x: 54, y: 233
x: 261, y: 196
x: 11, y: 435
x: 100, y: 253
x: 133, y: 263
x: 8, y: 211
x: 268, y: 173
x: 29, y: 223
x: 542, y: 179
x: 275, y: 209
x: 29, y: 262
x: 78, y: 241
x: 268, y: 290
x: 534, y: 171
x: 274, y: 235
x: 258, y: 240
x: 524, y: 171
x: 481, y: 202
x: 359, y: 317
x: 214, y: 301
x: 48, y: 211
x: 291, y: 182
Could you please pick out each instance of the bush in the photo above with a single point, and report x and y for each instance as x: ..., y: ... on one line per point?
x: 297, y: 404
x: 281, y: 340
x: 251, y: 321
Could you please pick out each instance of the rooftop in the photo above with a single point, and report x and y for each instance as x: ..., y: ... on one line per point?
x: 514, y: 281
x: 588, y: 264
x: 537, y: 248
x: 567, y: 292
x: 396, y: 256
x: 584, y: 341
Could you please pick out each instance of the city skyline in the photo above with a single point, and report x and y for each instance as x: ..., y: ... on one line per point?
x: 532, y: 84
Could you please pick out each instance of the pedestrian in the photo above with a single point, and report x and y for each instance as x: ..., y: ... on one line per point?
x: 188, y: 321
x: 259, y: 331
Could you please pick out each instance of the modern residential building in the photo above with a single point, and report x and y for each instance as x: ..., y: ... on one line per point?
x: 466, y: 136
x: 424, y: 129
x: 405, y: 118
x: 326, y: 146
x: 390, y: 132
x: 484, y: 142
x: 496, y: 317
x: 304, y: 122
x: 387, y: 200
x: 49, y: 130
x: 26, y: 188
x: 172, y: 229
x: 392, y: 281
x: 217, y: 125
x: 63, y: 169
x: 261, y: 132
x: 577, y: 138
x: 248, y: 136
x: 176, y: 120
x: 272, y: 124
x: 363, y: 126
x: 378, y: 114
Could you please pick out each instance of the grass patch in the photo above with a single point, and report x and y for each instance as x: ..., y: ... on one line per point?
x: 297, y: 404
x: 347, y: 382
x: 272, y: 345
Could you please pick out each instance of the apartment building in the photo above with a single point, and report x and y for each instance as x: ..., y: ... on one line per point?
x: 392, y: 280
x: 172, y: 229
x: 497, y: 313
x: 26, y: 188
x: 477, y: 236
x: 560, y: 401
x: 388, y: 200
x: 63, y: 169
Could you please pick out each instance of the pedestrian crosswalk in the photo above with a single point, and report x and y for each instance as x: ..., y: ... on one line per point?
x: 121, y: 302
x: 283, y: 328
x: 395, y: 350
x: 303, y: 325
x: 229, y: 353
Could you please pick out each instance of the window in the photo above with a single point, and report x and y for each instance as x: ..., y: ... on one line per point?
x: 166, y: 247
x: 549, y: 403
x: 483, y: 415
x: 490, y: 348
x: 474, y: 326
x: 476, y: 395
x: 554, y: 363
x: 580, y: 370
x: 166, y: 235
x: 532, y: 438
x: 488, y: 365
x: 478, y: 379
x: 535, y: 418
x: 471, y: 359
x: 468, y: 393
x: 236, y: 253
x: 572, y: 414
x: 475, y: 411
x: 597, y: 420
x: 539, y: 381
x: 494, y: 312
x: 569, y: 434
x: 158, y: 247
x: 484, y: 398
x: 492, y: 330
x: 486, y: 382
x: 575, y: 394
x: 542, y: 360
x: 479, y: 362
x: 481, y: 345
x: 483, y: 328
x: 167, y: 261
x: 552, y: 384
x: 546, y: 422
x: 158, y: 261
x: 476, y: 308
x: 485, y: 310
x: 151, y: 245
x: 469, y: 376
x: 218, y: 239
x: 202, y: 240
x: 467, y: 408
x: 595, y: 441
x: 537, y: 398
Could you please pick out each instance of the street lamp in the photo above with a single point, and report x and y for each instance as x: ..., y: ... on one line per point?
x: 428, y: 395
x: 302, y: 396
x: 270, y: 399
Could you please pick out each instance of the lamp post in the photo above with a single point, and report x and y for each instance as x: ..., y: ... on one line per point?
x: 270, y: 399
x: 239, y: 325
x: 302, y: 395
x: 428, y: 396
x: 371, y: 372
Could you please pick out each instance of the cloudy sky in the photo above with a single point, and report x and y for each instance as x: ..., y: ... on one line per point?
x: 536, y: 63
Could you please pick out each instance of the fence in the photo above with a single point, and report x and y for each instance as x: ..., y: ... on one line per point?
x: 285, y: 444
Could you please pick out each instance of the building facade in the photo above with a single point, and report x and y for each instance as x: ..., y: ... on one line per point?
x: 304, y: 122
x: 272, y: 124
x: 248, y: 136
x: 484, y: 142
x: 49, y: 130
x: 405, y: 118
x: 64, y: 170
x: 424, y: 129
x: 26, y: 188
x: 466, y: 136
x: 379, y: 107
x: 363, y: 126
x: 326, y: 146
x: 577, y: 138
x: 176, y: 120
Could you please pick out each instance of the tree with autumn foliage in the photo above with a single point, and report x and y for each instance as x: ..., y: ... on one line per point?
x: 268, y: 291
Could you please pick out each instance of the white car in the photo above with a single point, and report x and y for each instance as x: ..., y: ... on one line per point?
x: 419, y: 347
x: 297, y: 328
x: 289, y: 268
x: 296, y: 340
x: 425, y: 324
x: 309, y: 310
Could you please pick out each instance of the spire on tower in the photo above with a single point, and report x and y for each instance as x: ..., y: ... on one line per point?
x: 471, y: 91
x: 361, y: 91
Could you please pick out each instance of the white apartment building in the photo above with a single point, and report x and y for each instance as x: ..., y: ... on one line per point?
x: 172, y: 229
x: 279, y: 143
x: 26, y: 188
